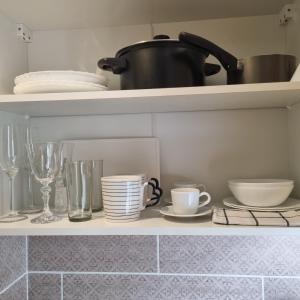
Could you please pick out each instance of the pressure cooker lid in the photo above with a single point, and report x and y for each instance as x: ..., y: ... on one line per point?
x: 161, y: 40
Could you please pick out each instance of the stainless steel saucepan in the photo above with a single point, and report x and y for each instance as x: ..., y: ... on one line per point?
x: 255, y: 69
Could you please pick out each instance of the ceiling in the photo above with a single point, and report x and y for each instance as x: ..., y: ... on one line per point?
x: 75, y: 14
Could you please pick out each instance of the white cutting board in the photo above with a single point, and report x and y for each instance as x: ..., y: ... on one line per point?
x: 121, y: 156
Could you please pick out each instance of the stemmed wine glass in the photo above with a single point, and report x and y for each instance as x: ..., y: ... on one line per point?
x: 44, y: 159
x: 30, y: 208
x: 10, y: 156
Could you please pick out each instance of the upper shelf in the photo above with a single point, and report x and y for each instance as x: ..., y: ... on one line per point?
x: 222, y: 97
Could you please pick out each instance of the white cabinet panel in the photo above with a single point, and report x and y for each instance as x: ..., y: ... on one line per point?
x: 212, y: 147
x: 13, y: 52
x: 88, y: 127
x: 121, y: 156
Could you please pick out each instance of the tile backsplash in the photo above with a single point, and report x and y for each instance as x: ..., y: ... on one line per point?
x: 230, y: 255
x: 18, y: 291
x: 13, y: 267
x: 44, y: 286
x: 150, y: 267
x: 150, y: 287
x: 93, y: 253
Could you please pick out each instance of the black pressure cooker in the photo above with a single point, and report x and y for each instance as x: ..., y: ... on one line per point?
x: 160, y: 63
x: 164, y: 62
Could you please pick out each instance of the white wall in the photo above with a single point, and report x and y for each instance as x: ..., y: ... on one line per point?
x: 13, y: 55
x: 81, y: 49
x: 207, y: 147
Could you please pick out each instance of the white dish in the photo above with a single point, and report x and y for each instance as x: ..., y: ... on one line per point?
x: 168, y: 211
x: 261, y: 192
x: 260, y: 182
x: 56, y: 86
x: 62, y: 75
x: 289, y: 204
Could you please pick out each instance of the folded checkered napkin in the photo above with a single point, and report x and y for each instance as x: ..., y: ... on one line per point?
x: 230, y: 216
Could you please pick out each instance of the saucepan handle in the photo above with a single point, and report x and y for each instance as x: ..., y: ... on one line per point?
x: 117, y: 65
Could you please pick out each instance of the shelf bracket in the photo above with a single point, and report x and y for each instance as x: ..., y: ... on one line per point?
x: 286, y: 14
x: 24, y: 33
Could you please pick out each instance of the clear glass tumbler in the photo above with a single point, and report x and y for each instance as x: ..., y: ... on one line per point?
x: 80, y: 190
x: 60, y: 201
x: 97, y: 173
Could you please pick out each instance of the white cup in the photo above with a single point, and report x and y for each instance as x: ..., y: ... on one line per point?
x: 193, y: 185
x: 186, y: 201
x: 123, y: 197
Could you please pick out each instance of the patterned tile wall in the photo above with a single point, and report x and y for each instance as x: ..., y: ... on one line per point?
x: 137, y: 267
x: 93, y: 253
x: 282, y: 288
x: 239, y: 255
x: 12, y: 259
x: 17, y: 291
x: 44, y: 286
x: 152, y: 287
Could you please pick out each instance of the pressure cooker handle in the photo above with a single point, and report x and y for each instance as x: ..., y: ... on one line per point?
x: 228, y: 61
x: 117, y: 65
x: 211, y: 69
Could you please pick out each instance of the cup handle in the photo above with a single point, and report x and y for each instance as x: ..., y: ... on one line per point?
x: 201, y: 187
x: 156, y: 192
x: 206, y: 201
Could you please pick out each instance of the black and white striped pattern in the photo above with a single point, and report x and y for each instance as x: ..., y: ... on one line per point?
x: 122, y: 198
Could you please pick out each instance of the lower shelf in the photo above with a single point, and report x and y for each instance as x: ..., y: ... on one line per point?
x: 151, y: 223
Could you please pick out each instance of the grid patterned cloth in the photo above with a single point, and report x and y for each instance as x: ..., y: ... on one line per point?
x: 229, y: 216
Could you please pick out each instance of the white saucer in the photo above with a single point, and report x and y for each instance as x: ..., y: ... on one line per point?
x: 168, y: 211
x: 289, y: 204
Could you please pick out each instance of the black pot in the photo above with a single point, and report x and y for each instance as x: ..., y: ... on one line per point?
x: 160, y: 63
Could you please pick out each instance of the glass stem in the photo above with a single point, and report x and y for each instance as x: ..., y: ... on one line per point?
x: 12, y: 193
x: 46, y: 189
x: 30, y: 190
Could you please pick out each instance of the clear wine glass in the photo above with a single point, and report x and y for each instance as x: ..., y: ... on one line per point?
x: 31, y: 207
x: 44, y: 160
x: 10, y: 160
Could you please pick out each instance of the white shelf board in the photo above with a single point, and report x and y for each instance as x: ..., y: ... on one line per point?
x: 151, y: 223
x: 222, y: 97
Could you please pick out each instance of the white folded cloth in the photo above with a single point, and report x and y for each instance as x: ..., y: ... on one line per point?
x: 230, y: 216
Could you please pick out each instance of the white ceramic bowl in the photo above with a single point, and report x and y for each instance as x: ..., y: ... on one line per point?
x: 261, y: 192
